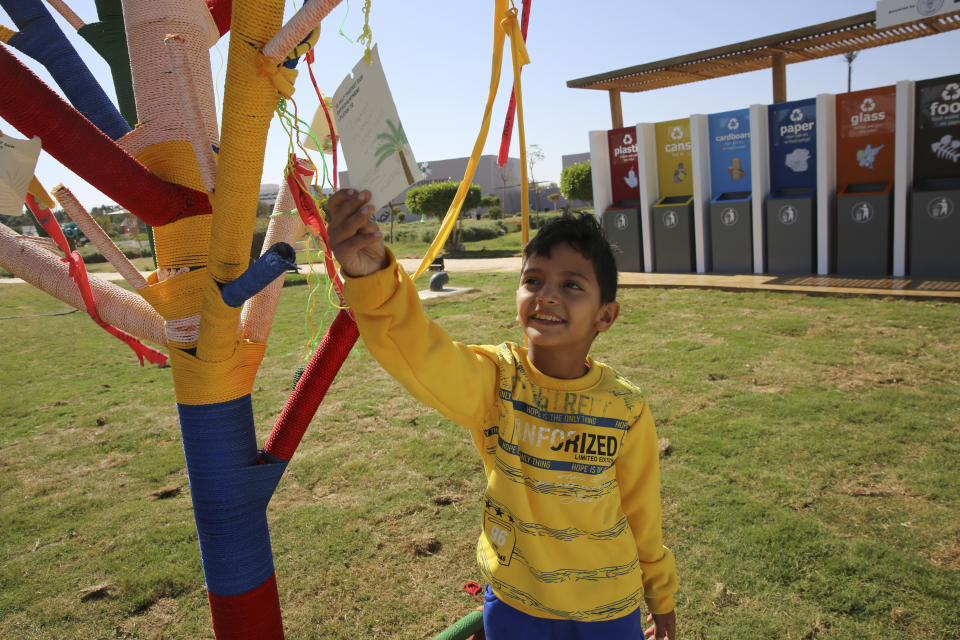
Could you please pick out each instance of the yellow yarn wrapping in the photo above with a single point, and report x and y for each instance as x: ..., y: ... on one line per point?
x: 248, y: 103
x: 173, y: 161
x: 197, y: 382
x: 40, y: 194
x: 501, y: 28
x: 183, y: 243
x: 176, y: 298
x: 6, y: 34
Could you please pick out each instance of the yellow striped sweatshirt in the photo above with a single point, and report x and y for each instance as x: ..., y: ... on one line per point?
x: 571, y: 513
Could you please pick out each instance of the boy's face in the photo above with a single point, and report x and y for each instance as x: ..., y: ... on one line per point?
x: 559, y: 308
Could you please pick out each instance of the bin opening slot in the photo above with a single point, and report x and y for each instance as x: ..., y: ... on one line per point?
x: 674, y: 199
x: 733, y: 195
x: 937, y: 184
x: 792, y: 192
x: 866, y: 187
x: 624, y: 204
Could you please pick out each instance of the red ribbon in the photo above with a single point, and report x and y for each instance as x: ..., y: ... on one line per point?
x: 78, y: 272
x: 512, y: 106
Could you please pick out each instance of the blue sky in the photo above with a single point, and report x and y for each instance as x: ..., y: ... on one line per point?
x: 437, y: 58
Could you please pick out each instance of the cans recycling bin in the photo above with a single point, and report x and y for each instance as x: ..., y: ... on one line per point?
x: 621, y: 224
x: 935, y: 229
x: 864, y: 229
x: 791, y: 231
x: 731, y: 232
x: 673, y: 249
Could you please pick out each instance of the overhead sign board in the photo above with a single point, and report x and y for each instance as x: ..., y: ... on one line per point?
x: 624, y: 166
x: 674, y: 157
x: 891, y: 12
x: 729, y: 151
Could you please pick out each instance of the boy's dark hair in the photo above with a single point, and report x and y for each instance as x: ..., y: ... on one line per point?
x: 584, y: 234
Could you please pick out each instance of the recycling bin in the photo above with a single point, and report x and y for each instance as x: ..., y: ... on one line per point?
x: 731, y: 232
x: 935, y: 228
x: 791, y: 230
x: 621, y: 224
x: 864, y: 229
x: 673, y: 244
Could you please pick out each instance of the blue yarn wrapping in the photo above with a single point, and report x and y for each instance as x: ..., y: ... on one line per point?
x: 230, y: 492
x: 40, y: 38
x: 276, y: 260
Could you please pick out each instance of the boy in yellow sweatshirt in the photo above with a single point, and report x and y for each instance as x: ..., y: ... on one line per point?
x: 571, y: 542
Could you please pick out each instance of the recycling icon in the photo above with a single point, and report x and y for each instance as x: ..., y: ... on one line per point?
x: 676, y: 133
x: 796, y: 115
x: 868, y: 105
x: 733, y: 124
x: 951, y: 91
x: 627, y: 139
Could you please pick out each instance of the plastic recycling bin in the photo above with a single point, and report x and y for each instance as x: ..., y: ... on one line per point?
x: 731, y: 232
x: 621, y: 224
x: 790, y: 231
x: 673, y: 250
x: 935, y: 228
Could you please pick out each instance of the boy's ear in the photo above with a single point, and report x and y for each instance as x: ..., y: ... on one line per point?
x: 607, y: 315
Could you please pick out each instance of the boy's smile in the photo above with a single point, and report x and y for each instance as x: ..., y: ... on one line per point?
x: 560, y: 310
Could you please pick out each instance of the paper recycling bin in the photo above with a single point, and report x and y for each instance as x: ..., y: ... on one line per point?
x: 935, y: 228
x: 731, y: 232
x: 621, y: 224
x: 864, y: 229
x: 673, y: 248
x: 791, y: 231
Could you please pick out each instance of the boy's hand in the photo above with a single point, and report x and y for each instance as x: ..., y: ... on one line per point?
x: 355, y: 239
x: 664, y: 626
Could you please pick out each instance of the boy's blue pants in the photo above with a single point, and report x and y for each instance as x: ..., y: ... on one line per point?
x: 503, y: 622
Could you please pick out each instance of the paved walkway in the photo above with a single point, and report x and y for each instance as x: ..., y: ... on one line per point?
x: 886, y: 286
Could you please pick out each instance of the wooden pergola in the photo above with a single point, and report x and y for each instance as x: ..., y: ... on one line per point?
x: 771, y: 52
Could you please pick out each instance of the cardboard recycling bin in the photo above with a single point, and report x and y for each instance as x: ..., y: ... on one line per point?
x: 731, y: 232
x: 935, y: 228
x: 791, y: 230
x: 621, y: 224
x: 673, y: 246
x: 864, y: 229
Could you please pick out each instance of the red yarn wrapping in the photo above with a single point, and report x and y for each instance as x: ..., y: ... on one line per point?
x: 313, y: 384
x: 254, y: 615
x: 221, y: 11
x: 35, y: 109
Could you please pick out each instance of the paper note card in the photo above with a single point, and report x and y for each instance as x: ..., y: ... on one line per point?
x: 18, y: 159
x: 372, y: 138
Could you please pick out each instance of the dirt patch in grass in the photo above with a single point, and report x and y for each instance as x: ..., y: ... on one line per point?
x: 948, y: 555
x: 874, y: 485
x: 152, y: 623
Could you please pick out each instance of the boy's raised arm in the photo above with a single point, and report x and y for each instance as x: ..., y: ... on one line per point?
x: 354, y: 237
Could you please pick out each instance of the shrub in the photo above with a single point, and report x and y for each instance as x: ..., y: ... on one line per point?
x: 576, y: 182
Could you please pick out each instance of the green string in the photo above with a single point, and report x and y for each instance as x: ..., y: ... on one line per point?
x: 292, y: 126
x: 342, y: 22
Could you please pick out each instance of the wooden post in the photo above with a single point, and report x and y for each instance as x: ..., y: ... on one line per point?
x: 616, y: 109
x: 779, y: 78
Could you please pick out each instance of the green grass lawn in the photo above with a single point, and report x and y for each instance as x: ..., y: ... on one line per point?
x: 810, y: 492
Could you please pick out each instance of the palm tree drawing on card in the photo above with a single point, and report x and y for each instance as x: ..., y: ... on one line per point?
x: 394, y: 142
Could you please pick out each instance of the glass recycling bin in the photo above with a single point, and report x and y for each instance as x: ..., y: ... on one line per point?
x: 791, y: 231
x: 864, y: 229
x: 934, y: 248
x: 621, y: 224
x: 673, y: 244
x: 731, y: 232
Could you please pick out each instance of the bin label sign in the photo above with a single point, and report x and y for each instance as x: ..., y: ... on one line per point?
x: 788, y: 214
x: 862, y: 212
x: 674, y: 157
x: 621, y: 222
x: 866, y: 131
x: 729, y: 151
x: 940, y: 208
x: 729, y: 217
x: 793, y: 144
x: 624, y: 166
x: 670, y: 219
x: 937, y: 129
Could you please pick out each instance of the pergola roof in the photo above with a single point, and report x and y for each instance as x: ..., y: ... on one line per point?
x: 818, y: 41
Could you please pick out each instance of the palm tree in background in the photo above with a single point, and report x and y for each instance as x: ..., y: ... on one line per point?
x: 850, y: 56
x: 394, y: 141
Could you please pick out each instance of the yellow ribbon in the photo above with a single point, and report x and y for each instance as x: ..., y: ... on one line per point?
x: 40, y: 194
x: 520, y: 57
x: 502, y: 27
